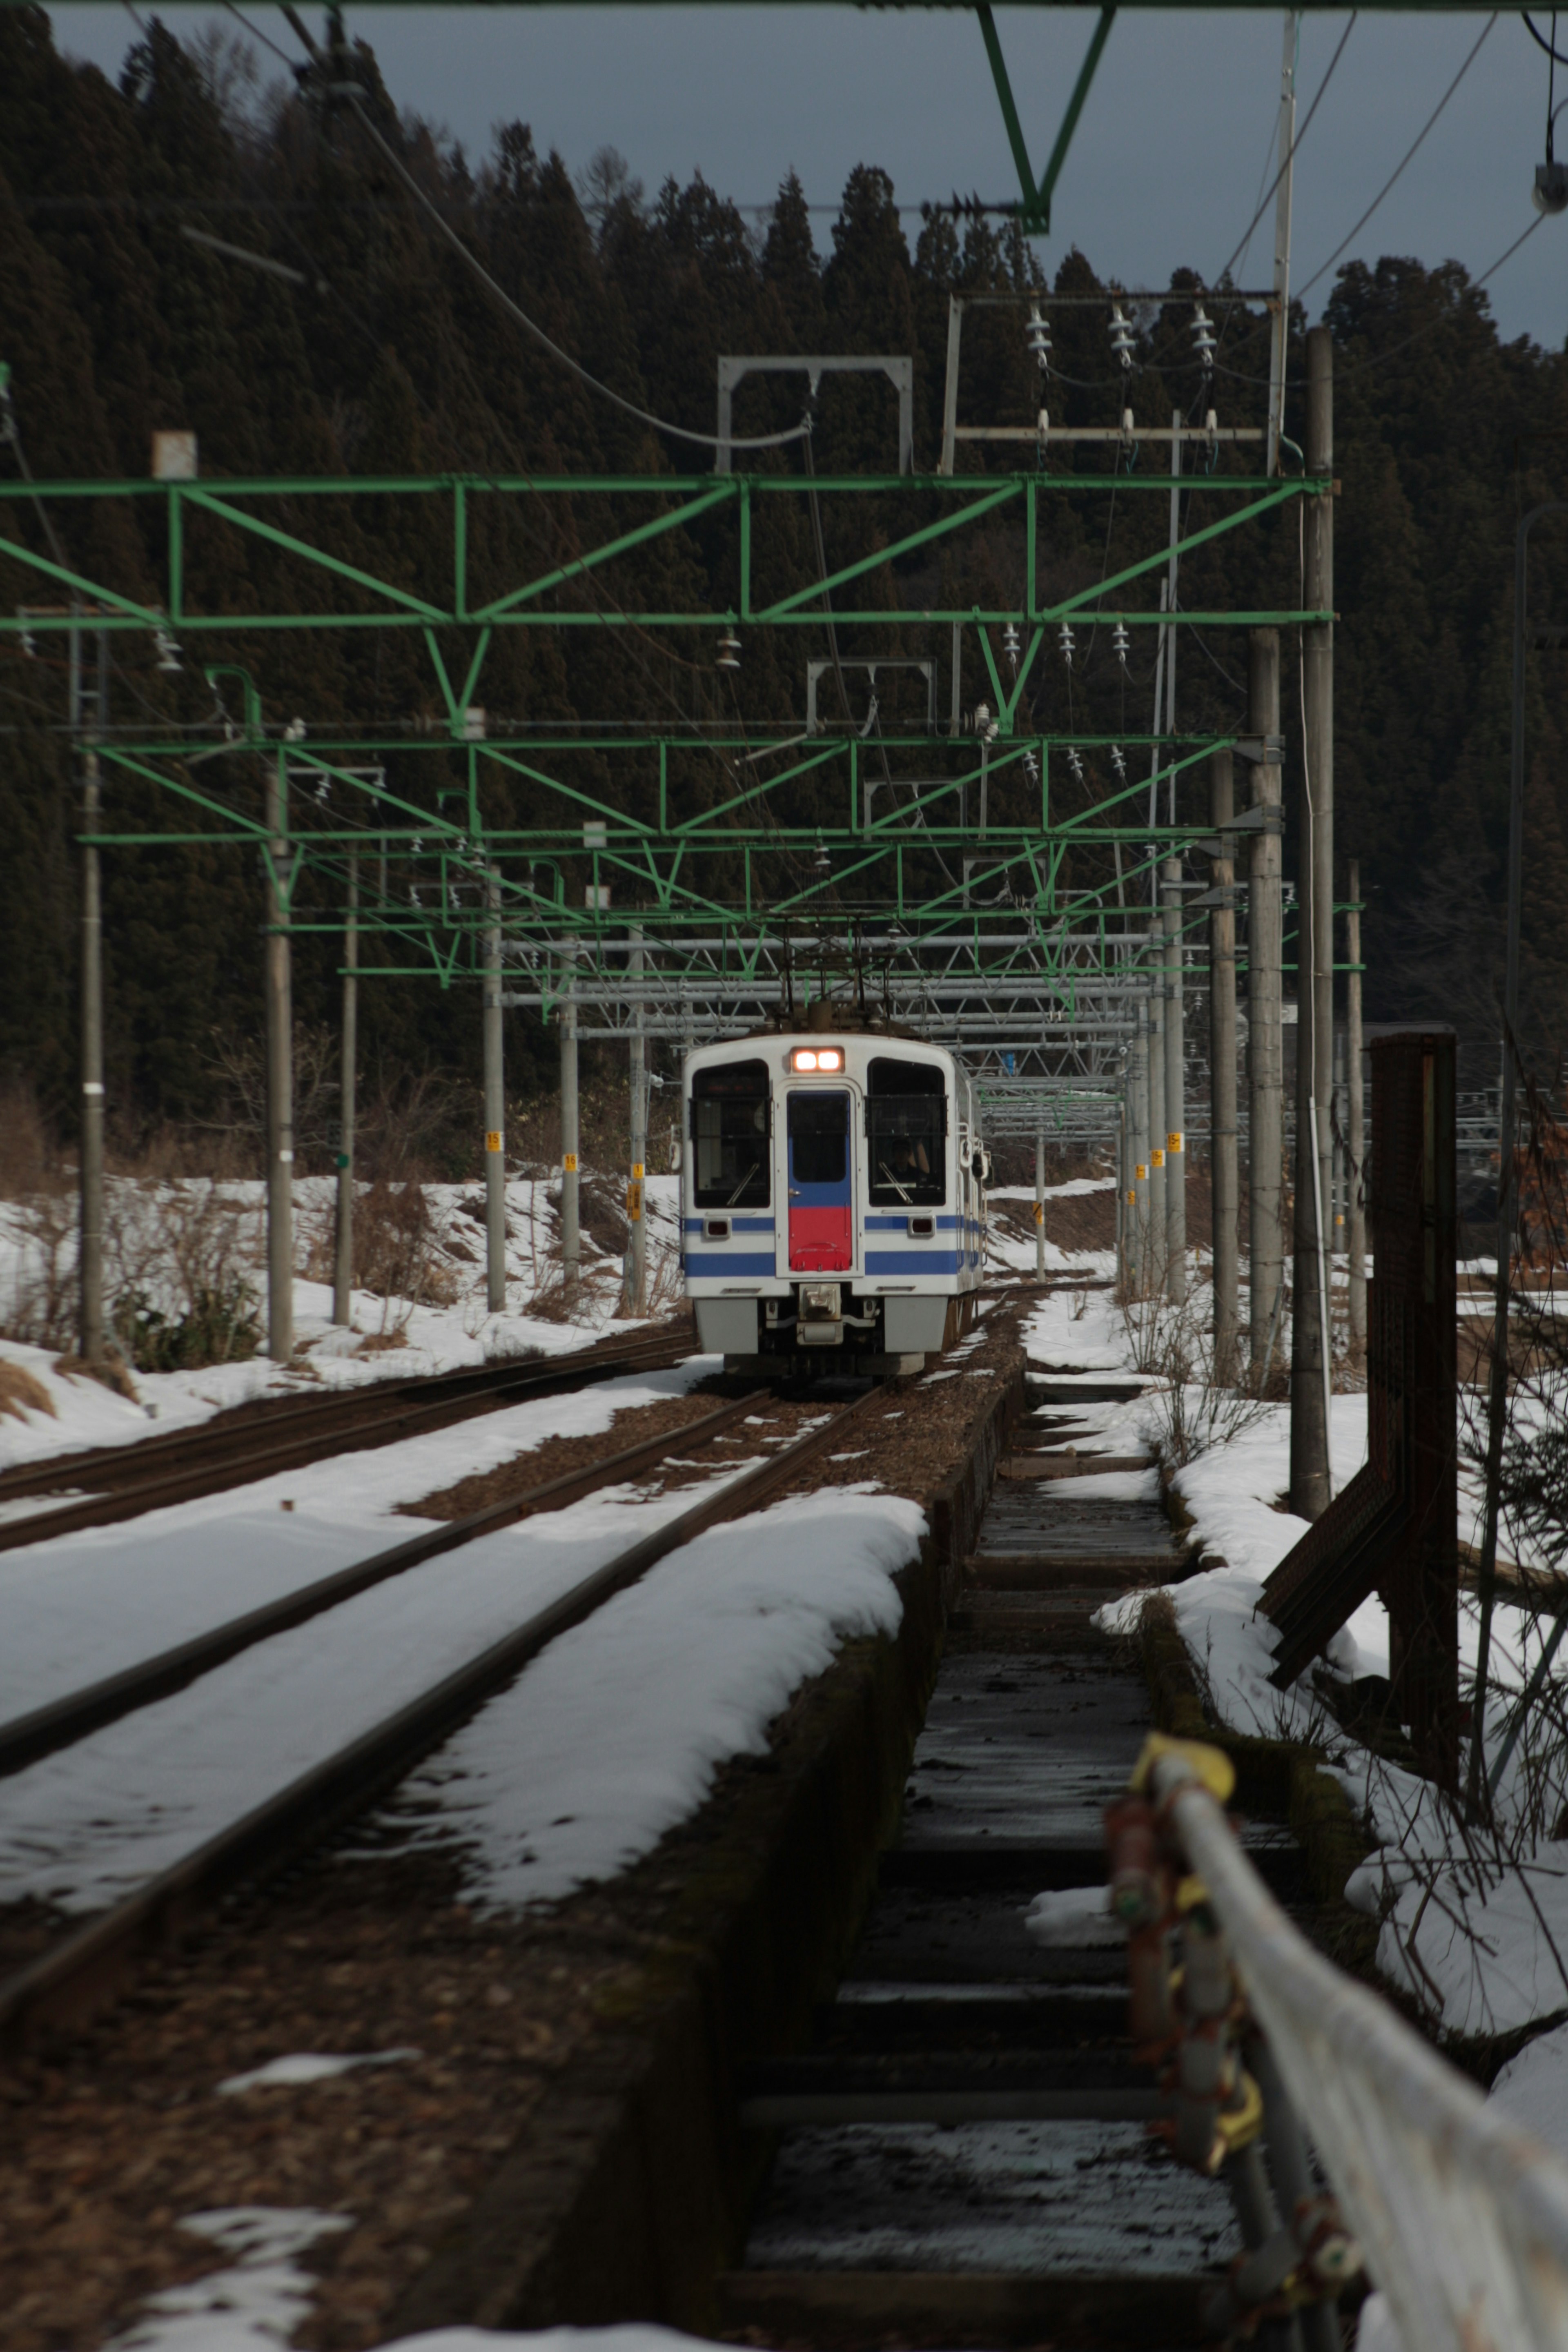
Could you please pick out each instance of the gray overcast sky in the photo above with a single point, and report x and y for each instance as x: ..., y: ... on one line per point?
x: 1166, y: 168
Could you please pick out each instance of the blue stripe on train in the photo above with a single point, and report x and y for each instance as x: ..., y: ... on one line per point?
x: 727, y: 1265
x: 915, y: 1261
x: 901, y: 1224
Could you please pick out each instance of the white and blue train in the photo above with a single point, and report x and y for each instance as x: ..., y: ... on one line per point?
x: 833, y: 1204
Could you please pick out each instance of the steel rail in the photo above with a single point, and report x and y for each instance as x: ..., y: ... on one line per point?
x: 67, y: 1985
x: 104, y: 1462
x: 28, y: 1738
x: 223, y: 1459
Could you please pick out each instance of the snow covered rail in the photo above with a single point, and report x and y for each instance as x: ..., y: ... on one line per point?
x: 257, y: 1440
x: 88, y: 1967
x: 1463, y: 2219
x: 25, y: 1739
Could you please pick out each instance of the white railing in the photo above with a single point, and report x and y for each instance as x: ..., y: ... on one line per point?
x: 1463, y: 2219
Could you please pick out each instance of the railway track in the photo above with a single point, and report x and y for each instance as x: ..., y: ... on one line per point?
x: 964, y: 2157
x: 266, y: 1436
x: 90, y: 1965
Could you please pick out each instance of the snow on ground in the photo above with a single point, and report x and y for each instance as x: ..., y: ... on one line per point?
x: 157, y: 1223
x: 614, y: 1734
x: 611, y: 1736
x: 262, y: 2297
x: 258, y: 2301
x: 86, y: 1605
x: 1476, y: 1931
x: 304, y: 2066
x: 80, y: 1827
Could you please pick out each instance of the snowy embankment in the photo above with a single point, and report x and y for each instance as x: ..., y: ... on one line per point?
x: 698, y: 1657
x: 1474, y: 1928
x: 432, y: 1318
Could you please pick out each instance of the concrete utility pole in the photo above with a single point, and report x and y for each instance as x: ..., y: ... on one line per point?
x: 280, y: 1072
x: 1158, y: 1229
x: 344, y: 1261
x: 1039, y: 1204
x: 1355, y: 1131
x: 1266, y: 1261
x: 90, y: 1251
x: 1175, y: 1091
x: 1280, y: 338
x: 495, y: 1105
x: 570, y: 1231
x: 1123, y: 1165
x: 1310, y: 1349
x: 634, y: 1287
x: 1137, y: 1207
x: 1223, y: 1169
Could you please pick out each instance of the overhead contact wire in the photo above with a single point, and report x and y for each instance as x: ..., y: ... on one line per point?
x: 659, y: 424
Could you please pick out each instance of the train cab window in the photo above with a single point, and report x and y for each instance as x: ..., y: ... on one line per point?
x: 731, y: 1130
x: 906, y: 1130
x: 819, y: 1137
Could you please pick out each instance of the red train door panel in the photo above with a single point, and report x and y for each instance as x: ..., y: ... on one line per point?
x: 821, y: 1207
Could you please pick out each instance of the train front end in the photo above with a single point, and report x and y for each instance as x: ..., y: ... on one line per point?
x: 833, y: 1202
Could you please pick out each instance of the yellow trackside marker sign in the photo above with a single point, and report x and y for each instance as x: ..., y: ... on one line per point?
x: 1157, y: 1159
x: 569, y: 1163
x: 1143, y: 1175
x: 493, y: 1140
x: 1174, y: 1142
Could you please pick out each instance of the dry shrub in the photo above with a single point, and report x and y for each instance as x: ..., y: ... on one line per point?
x: 42, y: 1309
x: 396, y: 1248
x: 110, y: 1371
x: 22, y: 1392
x: 29, y: 1161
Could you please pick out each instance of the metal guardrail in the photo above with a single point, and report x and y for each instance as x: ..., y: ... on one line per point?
x: 1462, y: 2218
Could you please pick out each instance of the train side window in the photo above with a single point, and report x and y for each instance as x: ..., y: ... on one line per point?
x: 906, y: 1130
x: 731, y: 1130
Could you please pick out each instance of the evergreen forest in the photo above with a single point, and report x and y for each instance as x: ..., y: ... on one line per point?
x: 391, y: 358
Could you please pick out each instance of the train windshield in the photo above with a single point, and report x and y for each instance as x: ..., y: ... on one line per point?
x: 906, y: 1130
x: 731, y: 1127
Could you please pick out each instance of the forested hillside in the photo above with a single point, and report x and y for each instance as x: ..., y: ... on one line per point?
x: 115, y: 325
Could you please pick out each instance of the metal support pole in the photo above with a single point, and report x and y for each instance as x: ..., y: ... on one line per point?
x: 1175, y: 1092
x: 1159, y: 1230
x: 1138, y: 1269
x: 1337, y: 1228
x: 1222, y: 1134
x: 1039, y: 1204
x: 570, y: 1236
x: 634, y: 1285
x: 495, y: 1105
x: 280, y: 1072
x: 1355, y: 1131
x: 90, y: 1256
x: 1278, y: 342
x: 344, y: 1261
x: 1266, y: 1261
x: 1311, y: 1367
x: 1123, y: 1166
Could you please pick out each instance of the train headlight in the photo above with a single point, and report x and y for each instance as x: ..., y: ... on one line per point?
x: 819, y: 1298
x: 818, y: 1057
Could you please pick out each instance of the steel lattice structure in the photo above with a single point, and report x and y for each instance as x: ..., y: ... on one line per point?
x: 948, y: 882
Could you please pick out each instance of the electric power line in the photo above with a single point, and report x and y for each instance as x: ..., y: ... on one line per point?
x: 1409, y: 151
x: 1291, y: 156
x: 680, y: 432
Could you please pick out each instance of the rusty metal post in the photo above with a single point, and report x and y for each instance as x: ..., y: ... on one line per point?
x: 1355, y: 1131
x: 1223, y: 1137
x: 1266, y: 1255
